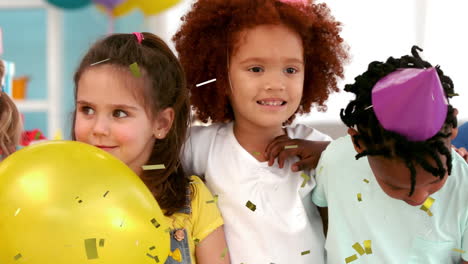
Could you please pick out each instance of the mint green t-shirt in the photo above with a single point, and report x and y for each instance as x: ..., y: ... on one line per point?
x: 398, y: 233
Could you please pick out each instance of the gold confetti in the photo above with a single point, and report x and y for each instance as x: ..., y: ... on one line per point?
x: 359, y: 197
x: 99, y: 62
x: 320, y: 170
x: 305, y: 252
x: 153, y: 167
x: 351, y: 258
x: 176, y: 255
x: 105, y: 194
x: 223, y: 254
x: 290, y: 147
x: 79, y: 201
x: 368, y: 246
x: 427, y: 205
x: 459, y: 250
x: 256, y: 153
x: 155, y: 223
x: 306, y: 179
x: 359, y: 248
x: 17, y: 211
x: 152, y: 248
x: 366, y: 180
x: 452, y: 95
x: 251, y: 206
x: 153, y: 257
x: 101, y: 242
x: 18, y: 256
x: 135, y: 70
x: 91, y: 249
x: 215, y: 200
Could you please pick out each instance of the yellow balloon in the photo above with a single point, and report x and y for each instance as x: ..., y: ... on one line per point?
x: 125, y: 8
x: 66, y: 202
x: 152, y: 7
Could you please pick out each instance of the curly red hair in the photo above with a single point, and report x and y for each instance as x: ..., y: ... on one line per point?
x: 209, y: 31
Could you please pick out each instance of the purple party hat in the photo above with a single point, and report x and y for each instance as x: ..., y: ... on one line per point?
x: 411, y: 102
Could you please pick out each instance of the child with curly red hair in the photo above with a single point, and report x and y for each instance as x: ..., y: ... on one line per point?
x: 251, y: 66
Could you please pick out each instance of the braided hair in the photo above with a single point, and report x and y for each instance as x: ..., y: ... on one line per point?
x: 381, y: 142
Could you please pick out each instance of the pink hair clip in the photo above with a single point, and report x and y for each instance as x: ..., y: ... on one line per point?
x: 139, y: 36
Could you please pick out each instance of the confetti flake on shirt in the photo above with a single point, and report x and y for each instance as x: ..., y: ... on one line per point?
x: 154, y: 167
x: 366, y: 180
x: 306, y: 179
x: 459, y: 250
x: 368, y: 246
x: 359, y: 197
x: 427, y: 205
x: 291, y: 147
x: 305, y: 252
x: 251, y: 206
x: 18, y: 256
x: 359, y: 248
x: 101, y: 242
x: 155, y: 223
x: 351, y: 258
x: 215, y: 199
x: 135, y: 70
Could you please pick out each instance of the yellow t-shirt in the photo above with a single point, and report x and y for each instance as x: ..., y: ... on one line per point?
x: 204, y: 216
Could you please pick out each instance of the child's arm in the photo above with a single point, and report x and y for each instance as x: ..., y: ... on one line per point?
x: 324, y: 215
x: 213, y: 249
x: 308, y: 151
x: 208, y: 229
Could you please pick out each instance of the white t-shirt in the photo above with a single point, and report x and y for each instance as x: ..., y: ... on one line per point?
x: 285, y: 227
x: 399, y: 233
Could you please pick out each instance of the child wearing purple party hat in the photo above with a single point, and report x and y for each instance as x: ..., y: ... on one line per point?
x: 395, y: 191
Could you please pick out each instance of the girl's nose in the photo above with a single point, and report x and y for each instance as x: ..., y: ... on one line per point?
x: 275, y: 81
x: 101, y: 126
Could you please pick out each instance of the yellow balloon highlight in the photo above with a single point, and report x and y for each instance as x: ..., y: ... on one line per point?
x: 154, y: 7
x: 66, y: 202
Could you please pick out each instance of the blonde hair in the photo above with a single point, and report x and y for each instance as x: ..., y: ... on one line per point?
x: 10, y: 125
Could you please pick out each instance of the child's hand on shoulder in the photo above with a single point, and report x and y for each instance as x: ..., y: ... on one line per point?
x: 462, y: 151
x: 283, y: 147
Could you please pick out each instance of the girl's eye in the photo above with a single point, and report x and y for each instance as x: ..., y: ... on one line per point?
x: 119, y: 113
x: 87, y: 110
x: 291, y: 70
x: 256, y: 69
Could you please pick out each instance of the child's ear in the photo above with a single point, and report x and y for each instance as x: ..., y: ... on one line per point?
x: 455, y: 129
x: 357, y: 145
x: 163, y: 123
